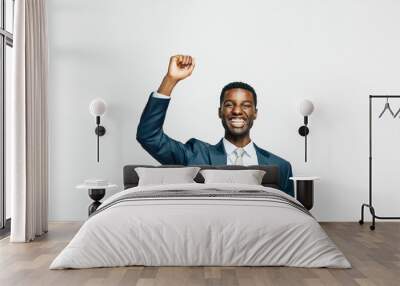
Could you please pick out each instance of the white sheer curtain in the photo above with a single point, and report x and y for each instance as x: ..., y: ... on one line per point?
x: 27, y: 122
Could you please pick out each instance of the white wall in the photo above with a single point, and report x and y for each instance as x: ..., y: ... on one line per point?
x: 334, y: 53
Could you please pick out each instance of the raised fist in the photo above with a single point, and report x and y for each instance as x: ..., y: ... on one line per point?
x: 180, y: 67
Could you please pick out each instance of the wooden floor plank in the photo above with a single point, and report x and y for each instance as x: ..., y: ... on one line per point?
x: 374, y: 255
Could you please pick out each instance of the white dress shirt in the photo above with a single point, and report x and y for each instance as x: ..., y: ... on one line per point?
x: 249, y: 155
x: 159, y: 95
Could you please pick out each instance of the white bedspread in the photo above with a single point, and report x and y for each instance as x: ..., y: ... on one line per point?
x: 200, y: 231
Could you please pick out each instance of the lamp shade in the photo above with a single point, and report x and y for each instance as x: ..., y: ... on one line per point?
x: 306, y: 107
x: 97, y: 107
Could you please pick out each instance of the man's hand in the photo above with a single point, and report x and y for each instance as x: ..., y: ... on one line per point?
x: 180, y: 67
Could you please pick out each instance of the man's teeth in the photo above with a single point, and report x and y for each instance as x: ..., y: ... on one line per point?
x: 237, y: 122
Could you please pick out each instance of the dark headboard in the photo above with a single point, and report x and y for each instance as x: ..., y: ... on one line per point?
x: 270, y: 179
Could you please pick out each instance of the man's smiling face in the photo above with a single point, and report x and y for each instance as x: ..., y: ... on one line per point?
x: 237, y: 111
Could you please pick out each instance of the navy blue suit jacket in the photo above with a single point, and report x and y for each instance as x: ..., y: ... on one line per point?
x: 168, y: 151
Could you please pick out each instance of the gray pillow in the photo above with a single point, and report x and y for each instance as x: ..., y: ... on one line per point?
x: 162, y: 176
x: 248, y: 177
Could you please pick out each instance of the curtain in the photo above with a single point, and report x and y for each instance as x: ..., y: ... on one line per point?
x: 28, y: 126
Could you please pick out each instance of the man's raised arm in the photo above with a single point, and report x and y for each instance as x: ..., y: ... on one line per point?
x: 180, y: 67
x: 150, y: 132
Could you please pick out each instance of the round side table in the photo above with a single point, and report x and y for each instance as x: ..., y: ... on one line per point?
x: 305, y: 190
x: 96, y: 193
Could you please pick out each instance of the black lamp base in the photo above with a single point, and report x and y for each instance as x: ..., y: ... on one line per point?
x: 303, y: 130
x: 100, y: 130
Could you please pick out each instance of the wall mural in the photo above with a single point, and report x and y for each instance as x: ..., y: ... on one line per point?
x: 237, y: 111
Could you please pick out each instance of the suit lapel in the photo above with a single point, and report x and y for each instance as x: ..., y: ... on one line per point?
x: 262, y: 156
x: 218, y: 154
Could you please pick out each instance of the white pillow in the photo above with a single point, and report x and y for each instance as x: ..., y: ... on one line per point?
x: 163, y: 176
x: 248, y: 177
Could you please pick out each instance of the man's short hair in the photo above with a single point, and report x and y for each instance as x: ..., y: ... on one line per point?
x: 238, y: 84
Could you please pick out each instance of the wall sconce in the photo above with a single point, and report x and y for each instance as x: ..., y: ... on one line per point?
x: 97, y: 108
x: 306, y: 108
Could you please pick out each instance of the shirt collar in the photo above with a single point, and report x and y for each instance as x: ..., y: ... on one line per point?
x: 249, y: 149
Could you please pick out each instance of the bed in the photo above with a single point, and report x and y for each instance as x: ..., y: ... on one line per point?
x: 201, y: 224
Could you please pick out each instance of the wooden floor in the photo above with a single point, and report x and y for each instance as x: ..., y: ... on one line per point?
x: 374, y: 255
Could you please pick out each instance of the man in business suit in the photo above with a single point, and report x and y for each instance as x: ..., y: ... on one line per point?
x: 238, y: 110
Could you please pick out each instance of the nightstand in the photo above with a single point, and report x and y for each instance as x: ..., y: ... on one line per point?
x: 305, y: 190
x: 96, y: 193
